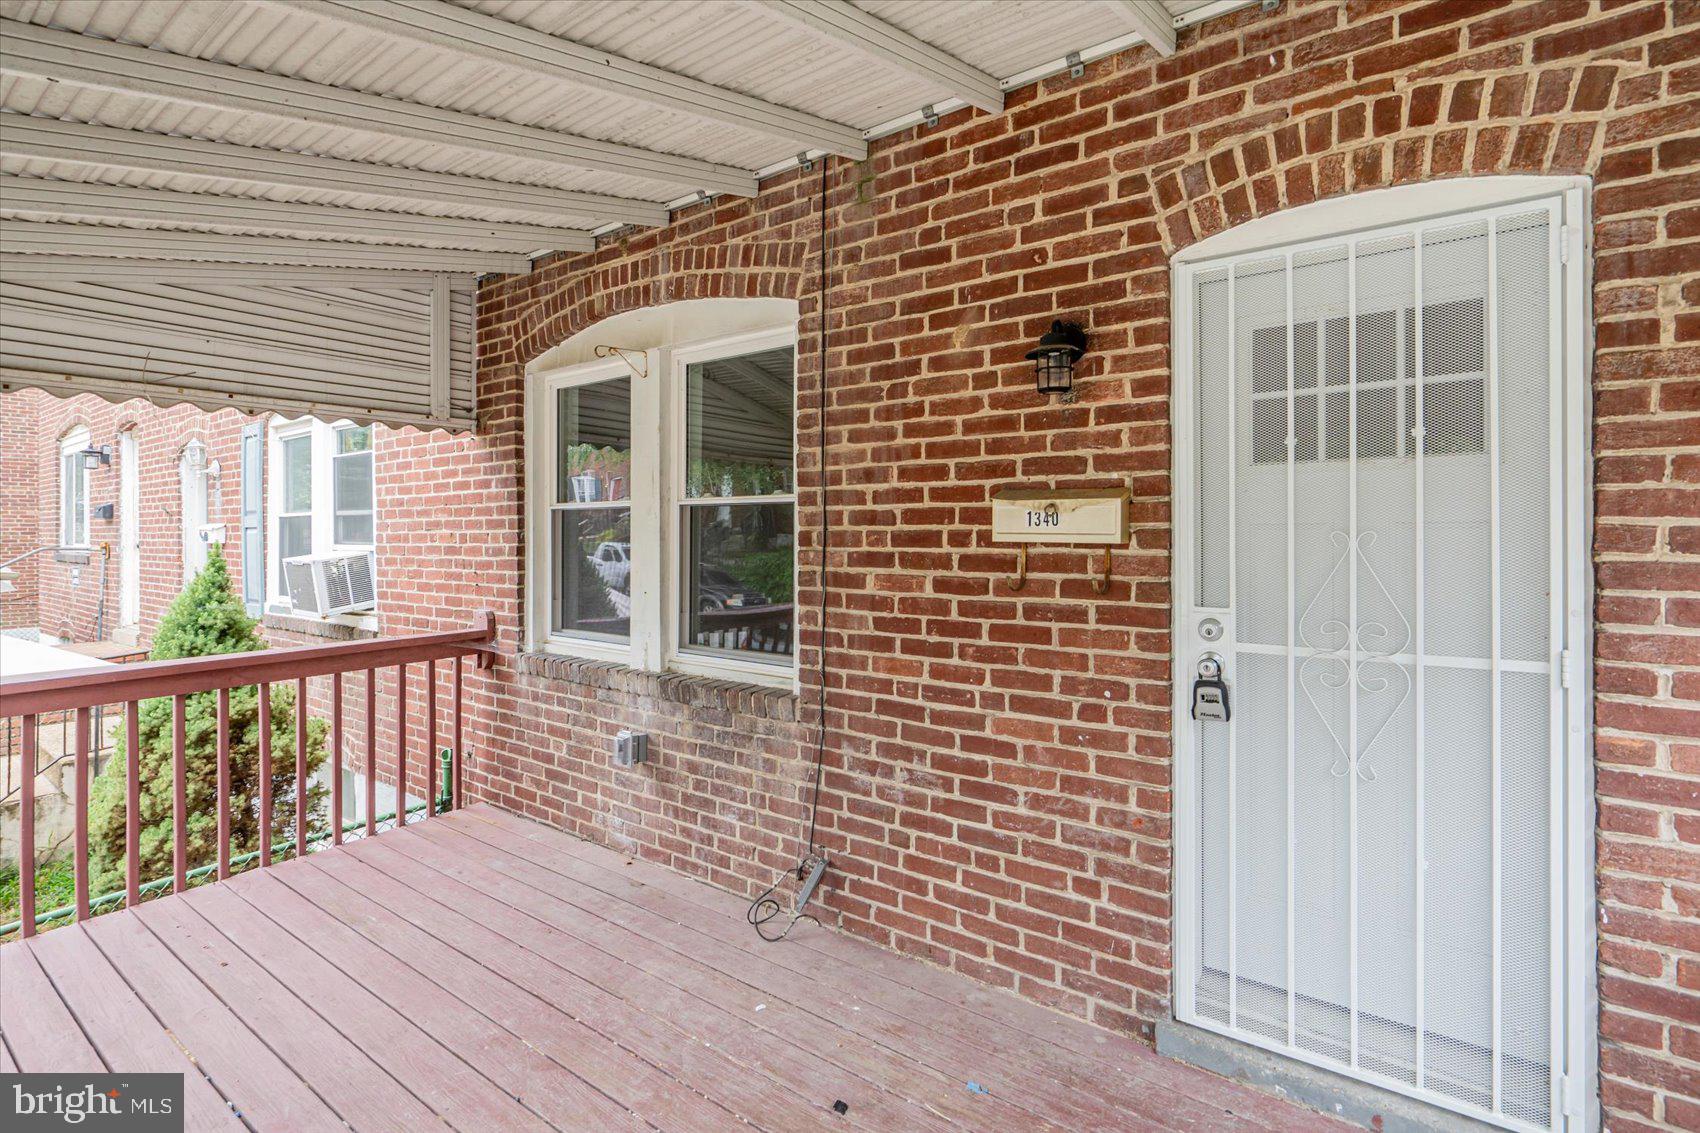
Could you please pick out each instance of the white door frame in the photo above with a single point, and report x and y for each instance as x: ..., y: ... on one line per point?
x: 129, y: 531
x: 1575, y: 975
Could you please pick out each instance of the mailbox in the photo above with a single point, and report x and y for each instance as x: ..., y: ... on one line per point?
x: 1074, y: 515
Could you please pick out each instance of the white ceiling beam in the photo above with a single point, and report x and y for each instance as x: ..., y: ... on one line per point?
x: 92, y: 201
x: 158, y: 244
x: 1151, y: 20
x: 846, y: 24
x: 472, y: 35
x: 50, y: 139
x: 33, y: 268
x: 100, y: 64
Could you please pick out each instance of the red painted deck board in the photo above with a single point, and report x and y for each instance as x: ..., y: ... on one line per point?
x: 482, y: 972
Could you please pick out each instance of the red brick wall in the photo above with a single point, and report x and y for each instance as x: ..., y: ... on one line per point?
x: 998, y: 769
x: 67, y: 603
x: 19, y: 525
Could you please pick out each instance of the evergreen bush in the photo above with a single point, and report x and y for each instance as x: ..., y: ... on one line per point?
x: 206, y: 619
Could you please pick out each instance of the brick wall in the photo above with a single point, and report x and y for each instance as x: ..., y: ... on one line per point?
x: 69, y: 595
x: 19, y: 526
x: 997, y: 788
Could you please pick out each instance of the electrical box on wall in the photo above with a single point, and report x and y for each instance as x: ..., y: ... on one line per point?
x: 1050, y: 515
x: 630, y: 748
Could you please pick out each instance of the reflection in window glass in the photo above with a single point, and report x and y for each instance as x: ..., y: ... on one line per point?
x: 738, y: 425
x: 739, y: 576
x: 592, y: 570
x: 593, y: 429
x: 295, y: 520
x: 590, y: 534
x: 73, y: 500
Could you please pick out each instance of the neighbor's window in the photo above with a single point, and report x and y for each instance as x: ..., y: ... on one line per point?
x: 320, y: 491
x: 351, y: 486
x: 590, y: 513
x: 738, y: 506
x: 73, y: 490
x: 665, y: 508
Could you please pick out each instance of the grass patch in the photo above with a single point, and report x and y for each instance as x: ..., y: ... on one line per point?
x: 55, y: 885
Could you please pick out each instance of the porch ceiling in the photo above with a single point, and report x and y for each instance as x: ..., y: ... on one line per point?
x: 401, y: 147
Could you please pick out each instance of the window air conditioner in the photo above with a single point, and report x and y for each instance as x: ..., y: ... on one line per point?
x: 331, y: 584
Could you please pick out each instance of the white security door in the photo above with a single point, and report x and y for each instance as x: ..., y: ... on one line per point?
x: 1376, y: 482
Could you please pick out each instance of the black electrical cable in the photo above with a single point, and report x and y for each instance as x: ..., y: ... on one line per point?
x: 825, y: 512
x: 766, y: 906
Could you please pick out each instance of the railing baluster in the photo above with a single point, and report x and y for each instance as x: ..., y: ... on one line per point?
x: 179, y: 795
x: 132, y: 805
x: 223, y: 783
x: 300, y: 767
x: 26, y: 829
x: 336, y: 759
x: 81, y: 850
x: 430, y: 738
x: 459, y: 799
x: 371, y: 752
x: 265, y: 711
x: 401, y: 745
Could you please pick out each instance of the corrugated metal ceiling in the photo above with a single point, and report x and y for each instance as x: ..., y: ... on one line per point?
x: 376, y: 111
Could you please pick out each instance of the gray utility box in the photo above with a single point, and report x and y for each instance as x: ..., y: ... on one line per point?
x: 630, y: 749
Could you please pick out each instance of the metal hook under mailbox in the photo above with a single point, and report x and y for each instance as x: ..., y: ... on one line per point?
x: 1020, y: 578
x: 1102, y: 583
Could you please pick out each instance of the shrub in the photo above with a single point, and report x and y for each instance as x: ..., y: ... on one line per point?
x: 206, y: 619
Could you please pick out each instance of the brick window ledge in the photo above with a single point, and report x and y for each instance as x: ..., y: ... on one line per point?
x: 680, y: 688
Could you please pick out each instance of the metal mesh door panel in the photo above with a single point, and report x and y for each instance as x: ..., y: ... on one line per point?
x: 1377, y: 840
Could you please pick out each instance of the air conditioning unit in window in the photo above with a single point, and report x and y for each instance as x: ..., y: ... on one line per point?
x: 332, y: 584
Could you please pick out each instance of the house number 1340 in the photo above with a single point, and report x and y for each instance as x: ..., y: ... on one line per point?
x: 1045, y: 517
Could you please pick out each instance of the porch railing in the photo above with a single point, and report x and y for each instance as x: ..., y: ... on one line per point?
x: 81, y: 691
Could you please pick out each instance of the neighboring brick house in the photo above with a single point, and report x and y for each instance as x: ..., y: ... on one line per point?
x: 999, y: 791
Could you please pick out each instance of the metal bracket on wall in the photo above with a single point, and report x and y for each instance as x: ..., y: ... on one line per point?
x: 929, y: 115
x: 626, y: 356
x: 1076, y: 68
x: 1020, y: 579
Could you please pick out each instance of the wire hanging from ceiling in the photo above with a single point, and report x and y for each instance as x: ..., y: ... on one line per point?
x: 812, y: 865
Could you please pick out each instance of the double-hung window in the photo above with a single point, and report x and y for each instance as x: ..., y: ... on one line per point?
x: 737, y: 503
x: 664, y: 514
x: 73, y: 490
x: 321, y: 497
x: 590, y: 512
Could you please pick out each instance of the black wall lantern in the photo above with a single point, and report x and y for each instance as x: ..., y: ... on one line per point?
x: 1055, y: 356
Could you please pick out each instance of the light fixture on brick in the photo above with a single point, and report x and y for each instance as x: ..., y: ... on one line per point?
x: 1054, y: 358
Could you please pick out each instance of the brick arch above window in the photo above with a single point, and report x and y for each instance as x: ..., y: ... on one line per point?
x: 559, y: 302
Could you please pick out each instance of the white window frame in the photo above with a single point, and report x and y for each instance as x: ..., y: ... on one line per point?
x: 657, y: 488
x: 371, y: 453
x: 679, y: 656
x: 71, y: 447
x: 323, y: 526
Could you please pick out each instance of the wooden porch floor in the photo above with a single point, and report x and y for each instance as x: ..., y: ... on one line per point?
x: 483, y: 972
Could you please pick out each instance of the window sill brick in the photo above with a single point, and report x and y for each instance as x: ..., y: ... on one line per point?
x: 680, y: 688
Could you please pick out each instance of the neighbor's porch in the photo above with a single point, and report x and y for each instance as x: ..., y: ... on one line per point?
x: 482, y: 971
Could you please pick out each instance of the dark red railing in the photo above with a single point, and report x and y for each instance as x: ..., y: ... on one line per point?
x: 81, y: 691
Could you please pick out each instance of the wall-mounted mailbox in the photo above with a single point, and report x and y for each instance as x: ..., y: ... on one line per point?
x: 1073, y: 515
x: 1061, y: 515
